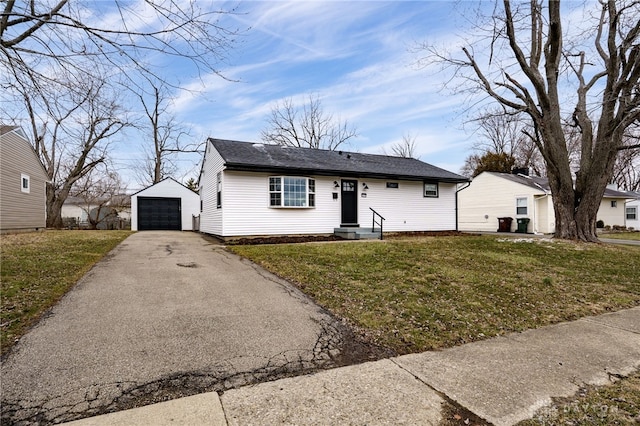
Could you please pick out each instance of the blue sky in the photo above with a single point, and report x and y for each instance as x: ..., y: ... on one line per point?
x: 358, y: 57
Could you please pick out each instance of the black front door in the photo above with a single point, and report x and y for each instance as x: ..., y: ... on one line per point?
x: 349, y: 203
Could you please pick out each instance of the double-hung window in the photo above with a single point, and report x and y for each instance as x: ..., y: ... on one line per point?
x: 292, y: 192
x: 521, y: 206
x: 431, y: 189
x: 632, y: 213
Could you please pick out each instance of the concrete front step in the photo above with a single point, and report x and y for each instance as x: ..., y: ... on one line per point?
x: 357, y: 233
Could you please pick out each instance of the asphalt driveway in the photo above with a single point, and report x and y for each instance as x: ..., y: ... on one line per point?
x: 166, y: 314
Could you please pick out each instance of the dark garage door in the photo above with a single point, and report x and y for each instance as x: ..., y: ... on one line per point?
x: 159, y: 214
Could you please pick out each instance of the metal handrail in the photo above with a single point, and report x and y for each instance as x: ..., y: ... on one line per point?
x: 373, y: 226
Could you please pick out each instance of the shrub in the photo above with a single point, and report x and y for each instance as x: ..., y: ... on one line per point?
x: 600, y: 224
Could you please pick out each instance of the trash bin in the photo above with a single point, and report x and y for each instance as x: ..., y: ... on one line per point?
x: 504, y: 224
x: 523, y: 223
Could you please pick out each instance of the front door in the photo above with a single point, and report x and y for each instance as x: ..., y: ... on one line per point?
x: 349, y: 202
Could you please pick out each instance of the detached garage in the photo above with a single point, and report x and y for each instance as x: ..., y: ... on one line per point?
x: 168, y: 205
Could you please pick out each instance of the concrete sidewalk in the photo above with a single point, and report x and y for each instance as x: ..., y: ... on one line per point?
x: 503, y: 380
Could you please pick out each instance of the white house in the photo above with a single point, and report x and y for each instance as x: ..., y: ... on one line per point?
x: 493, y: 195
x: 632, y: 210
x: 76, y: 210
x: 166, y: 205
x: 250, y: 189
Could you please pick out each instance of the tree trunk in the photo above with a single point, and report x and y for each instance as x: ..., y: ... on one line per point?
x: 54, y: 208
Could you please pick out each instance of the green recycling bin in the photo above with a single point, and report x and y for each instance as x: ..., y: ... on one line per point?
x: 523, y: 223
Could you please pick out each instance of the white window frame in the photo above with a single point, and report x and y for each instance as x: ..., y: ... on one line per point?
x: 280, y: 190
x: 614, y: 204
x: 24, y: 178
x: 219, y: 190
x: 633, y: 210
x: 431, y: 193
x: 520, y: 206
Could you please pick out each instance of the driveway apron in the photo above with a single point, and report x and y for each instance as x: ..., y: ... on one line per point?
x: 164, y: 315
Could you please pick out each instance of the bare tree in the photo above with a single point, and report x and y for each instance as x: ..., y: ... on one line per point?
x: 164, y: 132
x: 71, y: 133
x: 100, y: 191
x: 307, y: 127
x: 39, y: 36
x: 407, y: 148
x: 605, y: 103
x: 501, y: 132
x: 626, y: 172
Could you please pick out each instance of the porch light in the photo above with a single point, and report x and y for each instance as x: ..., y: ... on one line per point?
x: 336, y: 184
x: 364, y: 186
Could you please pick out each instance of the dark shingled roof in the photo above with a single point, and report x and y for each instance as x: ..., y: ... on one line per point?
x: 247, y: 156
x: 542, y: 183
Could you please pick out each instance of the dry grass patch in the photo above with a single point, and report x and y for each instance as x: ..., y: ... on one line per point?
x: 632, y: 236
x: 414, y: 294
x: 618, y: 404
x: 39, y: 268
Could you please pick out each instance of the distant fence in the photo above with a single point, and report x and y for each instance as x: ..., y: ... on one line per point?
x: 109, y: 223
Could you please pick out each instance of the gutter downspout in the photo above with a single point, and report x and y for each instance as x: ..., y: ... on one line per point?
x: 458, y: 190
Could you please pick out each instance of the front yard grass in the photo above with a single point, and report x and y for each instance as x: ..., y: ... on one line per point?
x: 633, y: 236
x: 417, y: 294
x: 38, y: 268
x: 413, y: 294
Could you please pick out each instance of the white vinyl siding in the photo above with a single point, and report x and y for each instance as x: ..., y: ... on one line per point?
x: 211, y: 216
x: 490, y: 196
x: 610, y: 213
x: 246, y: 208
x: 405, y: 208
x: 633, y: 223
x: 169, y: 188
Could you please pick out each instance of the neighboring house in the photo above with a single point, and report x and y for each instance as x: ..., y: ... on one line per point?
x: 23, y: 181
x: 166, y: 205
x: 632, y: 210
x: 250, y: 189
x: 76, y: 210
x: 493, y: 195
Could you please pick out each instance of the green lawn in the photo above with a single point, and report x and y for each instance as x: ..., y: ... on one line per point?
x: 420, y: 293
x: 633, y: 236
x: 416, y: 294
x: 38, y: 268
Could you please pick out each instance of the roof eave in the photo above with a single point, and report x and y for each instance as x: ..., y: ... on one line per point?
x: 243, y: 167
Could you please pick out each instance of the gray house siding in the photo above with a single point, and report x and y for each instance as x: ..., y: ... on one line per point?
x: 20, y: 208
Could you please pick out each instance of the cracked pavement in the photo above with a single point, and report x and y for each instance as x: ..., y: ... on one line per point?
x: 166, y: 315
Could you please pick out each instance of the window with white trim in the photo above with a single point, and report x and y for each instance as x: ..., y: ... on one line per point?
x: 521, y: 206
x: 292, y: 192
x: 614, y: 204
x: 25, y: 183
x: 631, y: 213
x: 219, y: 190
x: 431, y: 189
